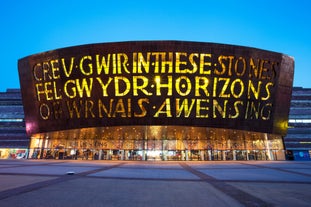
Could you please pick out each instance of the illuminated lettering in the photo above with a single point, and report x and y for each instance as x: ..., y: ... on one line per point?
x: 167, y: 111
x: 117, y: 83
x: 236, y: 110
x: 221, y: 110
x: 55, y: 69
x: 69, y: 89
x: 160, y: 57
x: 136, y: 87
x: 114, y: 64
x: 129, y: 107
x: 103, y: 64
x: 160, y: 85
x: 56, y: 92
x: 274, y: 68
x: 251, y: 88
x: 89, y: 65
x: 258, y: 110
x: 104, y: 86
x: 234, y: 88
x: 84, y: 87
x: 68, y: 69
x: 205, y: 63
x: 140, y: 103
x: 215, y: 87
x: 122, y: 62
x: 262, y: 69
x: 150, y: 85
x: 186, y: 86
x: 203, y: 87
x: 44, y: 110
x: 254, y: 68
x: 268, y: 88
x: 39, y: 90
x: 179, y: 63
x: 134, y: 62
x: 252, y: 111
x: 36, y: 69
x: 89, y: 104
x: 263, y: 74
x: 102, y: 108
x: 223, y: 92
x: 137, y: 67
x: 199, y: 108
x: 193, y: 63
x: 166, y: 62
x: 120, y: 109
x: 181, y: 66
x: 156, y: 62
x: 240, y: 61
x: 57, y: 110
x: 74, y: 109
x: 265, y: 111
x: 226, y: 65
x: 184, y: 107
x: 46, y: 71
x: 48, y: 89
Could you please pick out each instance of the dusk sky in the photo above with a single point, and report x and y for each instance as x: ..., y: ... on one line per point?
x: 30, y: 27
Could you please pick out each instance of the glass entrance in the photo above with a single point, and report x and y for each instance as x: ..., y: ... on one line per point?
x: 167, y: 143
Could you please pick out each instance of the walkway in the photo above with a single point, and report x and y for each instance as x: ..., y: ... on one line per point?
x: 128, y: 183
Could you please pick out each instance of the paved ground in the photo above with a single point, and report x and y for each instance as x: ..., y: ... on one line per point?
x: 134, y: 184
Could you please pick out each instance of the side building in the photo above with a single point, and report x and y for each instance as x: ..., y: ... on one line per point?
x: 298, y: 138
x: 14, y: 142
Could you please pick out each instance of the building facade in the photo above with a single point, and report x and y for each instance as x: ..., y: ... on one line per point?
x: 157, y: 100
x: 298, y: 138
x: 14, y: 142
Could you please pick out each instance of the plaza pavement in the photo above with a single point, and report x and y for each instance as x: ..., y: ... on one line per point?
x: 146, y: 183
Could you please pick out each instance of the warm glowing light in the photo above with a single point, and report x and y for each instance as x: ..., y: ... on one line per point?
x: 157, y: 79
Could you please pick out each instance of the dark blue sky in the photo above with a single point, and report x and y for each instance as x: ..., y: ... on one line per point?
x: 29, y: 27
